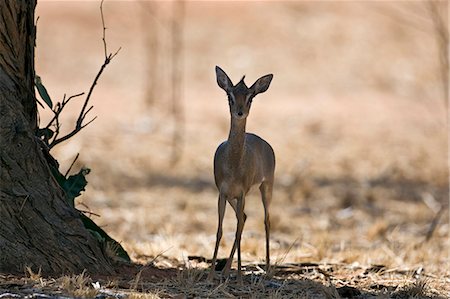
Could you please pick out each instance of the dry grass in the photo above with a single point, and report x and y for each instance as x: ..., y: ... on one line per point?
x: 307, y: 280
x: 143, y: 295
x: 79, y: 286
x: 355, y: 118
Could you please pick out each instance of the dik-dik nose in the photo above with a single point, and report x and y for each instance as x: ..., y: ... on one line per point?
x: 240, y: 113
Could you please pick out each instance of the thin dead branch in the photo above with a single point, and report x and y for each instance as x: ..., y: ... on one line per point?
x: 108, y: 58
x: 60, y: 106
x: 88, y: 212
x: 71, y: 165
x: 80, y: 123
x: 54, y: 122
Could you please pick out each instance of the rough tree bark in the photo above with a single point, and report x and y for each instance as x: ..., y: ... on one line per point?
x: 37, y: 226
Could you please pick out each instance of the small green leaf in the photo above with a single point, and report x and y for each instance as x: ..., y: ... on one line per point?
x: 96, y: 235
x: 43, y: 91
x: 75, y: 184
x: 104, y: 238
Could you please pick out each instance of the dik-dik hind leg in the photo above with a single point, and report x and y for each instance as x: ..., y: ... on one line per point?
x: 221, y: 209
x: 266, y: 195
x: 238, y: 207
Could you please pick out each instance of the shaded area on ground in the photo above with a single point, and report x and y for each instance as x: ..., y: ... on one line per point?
x: 311, y: 280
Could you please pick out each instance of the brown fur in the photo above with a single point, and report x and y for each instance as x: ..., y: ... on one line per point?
x: 243, y: 161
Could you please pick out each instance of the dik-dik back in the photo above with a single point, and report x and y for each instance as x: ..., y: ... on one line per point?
x: 256, y: 165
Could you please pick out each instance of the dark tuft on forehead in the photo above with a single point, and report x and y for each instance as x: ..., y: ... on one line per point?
x: 241, y: 86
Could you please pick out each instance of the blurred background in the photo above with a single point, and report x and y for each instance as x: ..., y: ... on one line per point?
x: 356, y: 114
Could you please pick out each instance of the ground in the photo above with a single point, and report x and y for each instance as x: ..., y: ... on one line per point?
x: 355, y: 115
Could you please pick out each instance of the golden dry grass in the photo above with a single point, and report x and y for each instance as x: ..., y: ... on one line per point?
x: 355, y: 115
x: 308, y: 280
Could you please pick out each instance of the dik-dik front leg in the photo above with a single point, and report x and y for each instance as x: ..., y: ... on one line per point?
x: 221, y: 208
x: 238, y: 206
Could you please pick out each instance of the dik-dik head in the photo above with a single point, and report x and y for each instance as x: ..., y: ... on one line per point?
x: 240, y: 96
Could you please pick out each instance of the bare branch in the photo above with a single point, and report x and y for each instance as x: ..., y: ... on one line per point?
x: 108, y: 58
x: 90, y: 108
x: 85, y: 125
x: 66, y: 137
x: 74, y: 96
x: 115, y: 53
x: 71, y: 165
x: 83, y: 113
x: 60, y: 106
x: 91, y: 89
x: 104, y: 30
x: 88, y: 212
x: 56, y: 134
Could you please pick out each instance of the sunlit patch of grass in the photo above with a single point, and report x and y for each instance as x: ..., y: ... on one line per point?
x: 33, y: 275
x: 150, y: 295
x: 78, y: 285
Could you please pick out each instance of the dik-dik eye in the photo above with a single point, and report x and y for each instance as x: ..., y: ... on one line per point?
x: 230, y: 100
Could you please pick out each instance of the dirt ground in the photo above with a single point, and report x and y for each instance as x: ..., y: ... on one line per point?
x: 356, y: 116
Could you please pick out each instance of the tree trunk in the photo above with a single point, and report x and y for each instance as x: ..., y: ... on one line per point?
x: 37, y: 226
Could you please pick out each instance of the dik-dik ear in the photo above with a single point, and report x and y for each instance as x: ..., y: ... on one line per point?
x: 262, y: 84
x: 223, y: 80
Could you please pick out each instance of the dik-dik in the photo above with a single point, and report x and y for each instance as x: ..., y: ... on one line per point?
x: 243, y: 161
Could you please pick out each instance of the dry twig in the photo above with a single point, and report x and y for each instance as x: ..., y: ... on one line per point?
x: 80, y: 124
